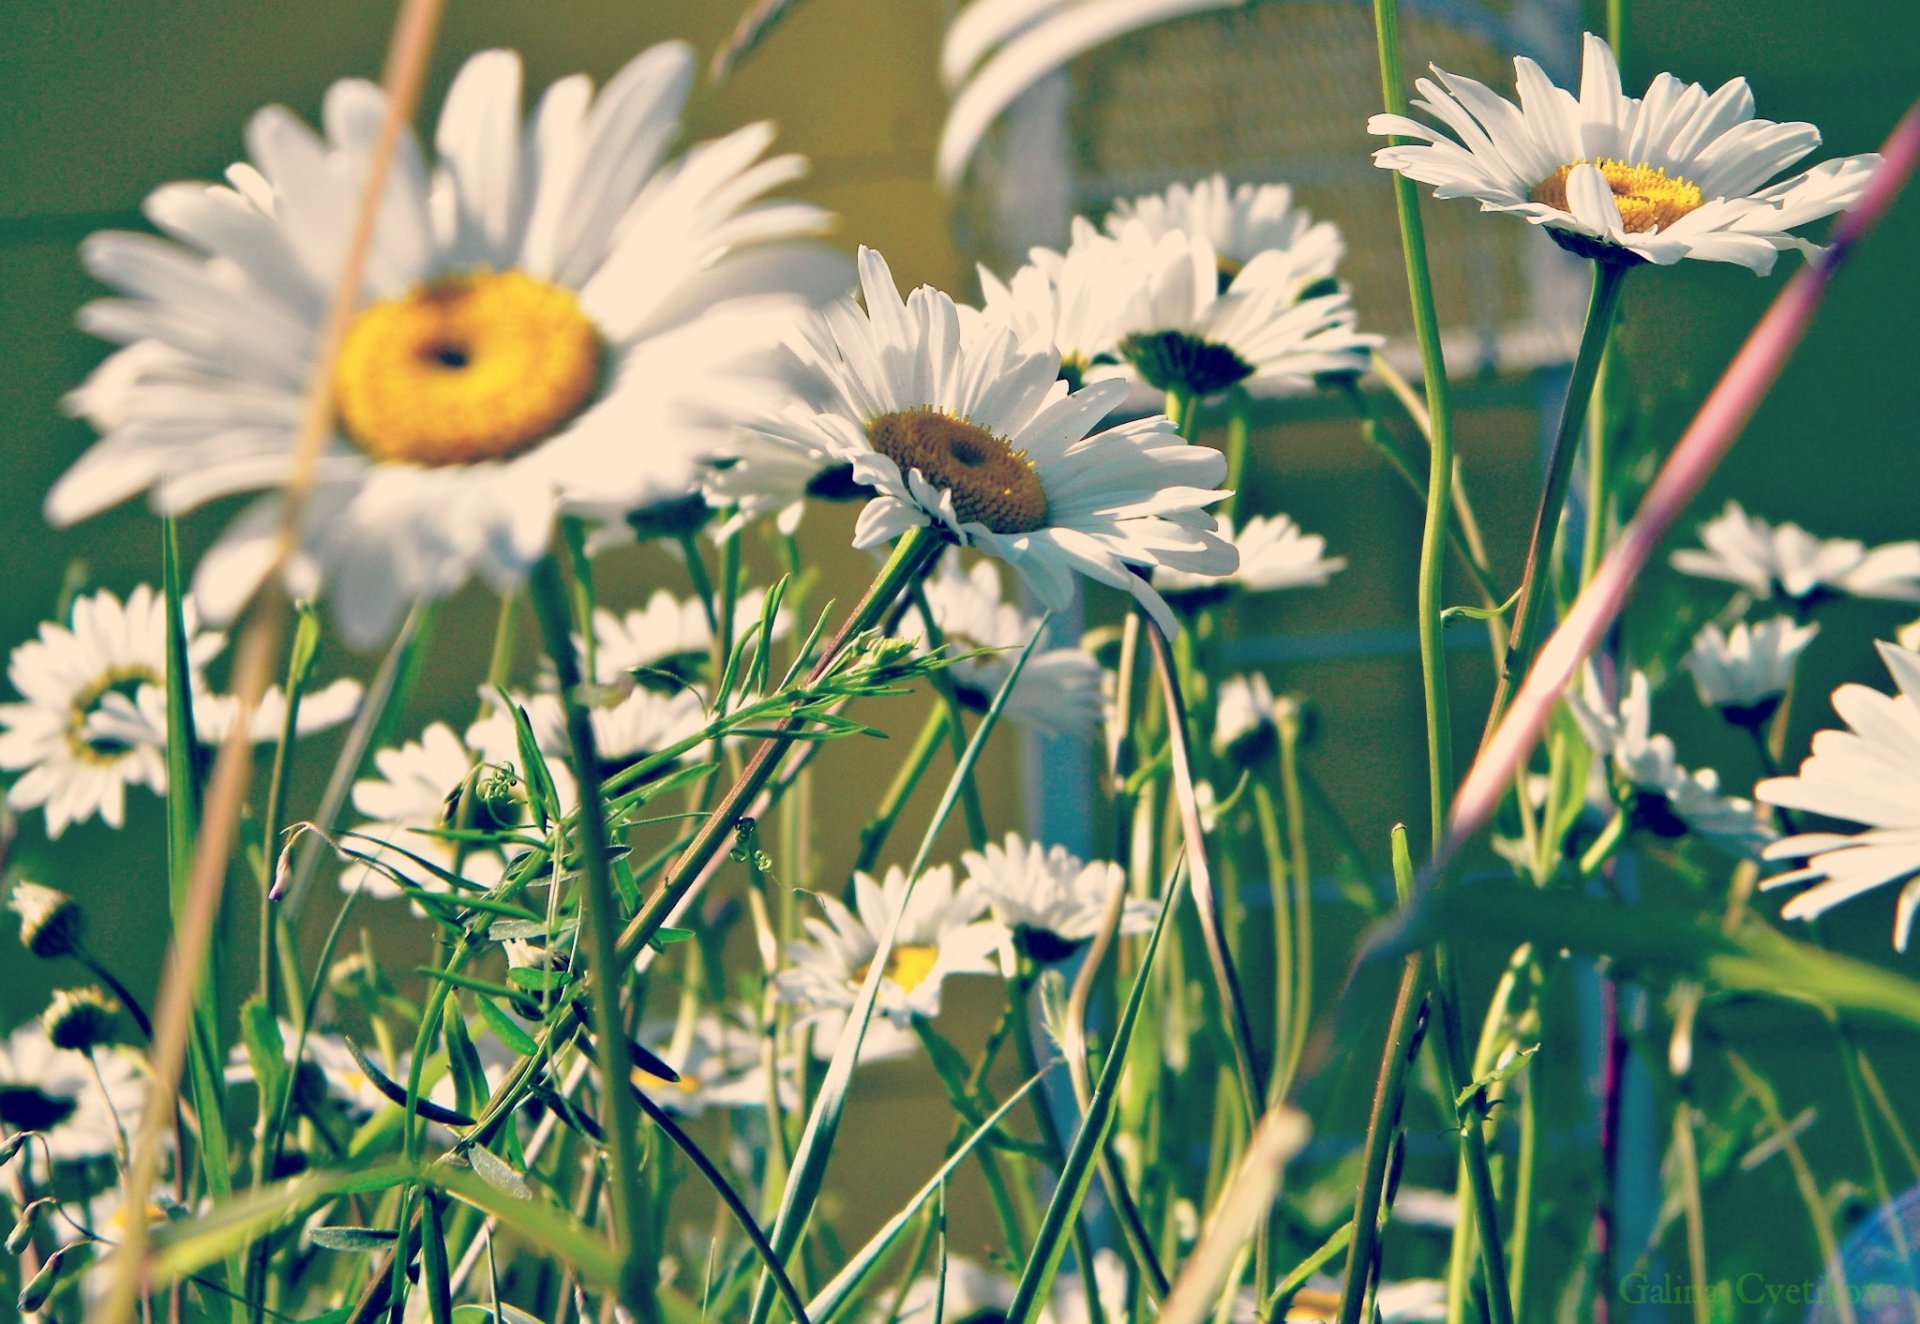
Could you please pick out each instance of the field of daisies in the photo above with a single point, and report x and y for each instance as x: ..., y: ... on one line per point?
x: 720, y: 952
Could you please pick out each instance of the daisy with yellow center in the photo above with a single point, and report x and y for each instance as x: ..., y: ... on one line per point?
x: 953, y: 424
x: 557, y: 316
x: 940, y: 935
x: 1679, y: 173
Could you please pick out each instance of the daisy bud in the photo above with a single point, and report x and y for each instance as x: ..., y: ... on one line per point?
x: 34, y: 1295
x: 24, y: 1225
x: 51, y: 923
x: 81, y: 1019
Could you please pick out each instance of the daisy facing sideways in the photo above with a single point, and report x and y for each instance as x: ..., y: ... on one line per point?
x: 1048, y: 902
x: 1679, y: 173
x: 975, y: 436
x: 1783, y: 560
x: 1869, y: 774
x: 555, y: 312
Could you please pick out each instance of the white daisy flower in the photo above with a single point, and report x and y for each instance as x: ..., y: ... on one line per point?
x: 1059, y: 690
x: 1745, y: 671
x: 1199, y: 325
x: 977, y: 438
x: 1240, y: 223
x: 1679, y: 173
x: 53, y: 1091
x: 1766, y: 560
x: 1275, y: 553
x: 539, y: 294
x: 940, y: 935
x: 405, y: 804
x: 1075, y: 303
x: 626, y: 726
x: 1867, y: 774
x: 717, y: 1057
x: 1047, y: 900
x: 667, y: 632
x: 93, y: 720
x: 1666, y: 799
x: 329, y: 1064
x: 1245, y: 715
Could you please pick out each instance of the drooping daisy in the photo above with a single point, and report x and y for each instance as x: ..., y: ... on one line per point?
x: 1049, y: 902
x: 1245, y: 717
x: 1199, y: 326
x: 1661, y: 796
x: 1275, y: 553
x: 975, y: 437
x: 1766, y: 560
x: 1743, y: 672
x: 93, y: 717
x: 717, y: 1057
x: 1679, y: 173
x: 554, y: 314
x: 1867, y: 774
x: 1059, y: 690
x: 940, y: 935
x: 54, y: 1091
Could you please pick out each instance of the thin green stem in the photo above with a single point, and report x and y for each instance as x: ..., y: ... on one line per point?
x: 1687, y: 1160
x: 873, y: 836
x: 949, y: 697
x: 1300, y: 903
x: 1530, y: 611
x: 1239, y: 432
x: 619, y: 1113
x: 500, y: 658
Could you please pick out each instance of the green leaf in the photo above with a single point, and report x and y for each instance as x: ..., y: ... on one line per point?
x: 266, y: 1051
x: 469, y: 1077
x: 1464, y: 1103
x: 366, y: 1240
x: 485, y: 1315
x: 505, y: 1028
x: 535, y: 980
x: 533, y: 764
x: 493, y: 1170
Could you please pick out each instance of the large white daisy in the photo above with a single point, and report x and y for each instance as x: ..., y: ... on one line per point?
x: 940, y: 935
x: 1867, y: 774
x: 1048, y: 902
x: 1059, y: 689
x: 1766, y: 560
x: 1678, y: 173
x: 554, y: 313
x: 92, y: 720
x: 1661, y: 796
x: 976, y: 437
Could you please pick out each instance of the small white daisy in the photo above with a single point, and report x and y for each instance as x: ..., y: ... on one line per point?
x: 1679, y: 173
x: 53, y: 1091
x: 1240, y: 223
x: 1745, y: 671
x: 327, y: 1062
x: 405, y: 804
x: 555, y: 314
x: 1275, y: 553
x: 1199, y: 324
x: 1664, y: 798
x: 977, y: 438
x: 717, y: 1057
x: 1785, y: 560
x: 627, y: 724
x: 1867, y: 774
x: 1059, y: 690
x: 940, y: 935
x: 669, y: 632
x: 1047, y: 900
x: 1075, y: 303
x: 1245, y: 716
x: 93, y: 718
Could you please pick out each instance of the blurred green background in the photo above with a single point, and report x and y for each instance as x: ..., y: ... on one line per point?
x: 105, y: 101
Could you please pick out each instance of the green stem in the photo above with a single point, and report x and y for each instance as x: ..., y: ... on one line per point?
x: 619, y: 1113
x: 949, y: 698
x: 1239, y: 430
x: 960, y: 1094
x: 1530, y: 611
x: 1300, y: 903
x: 500, y: 659
x: 873, y: 836
x: 702, y: 584
x: 1687, y: 1159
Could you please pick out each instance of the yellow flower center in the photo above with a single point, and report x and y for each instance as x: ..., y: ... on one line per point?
x: 120, y: 680
x: 908, y: 967
x: 1648, y: 197
x: 990, y: 482
x: 688, y: 1084
x: 466, y: 368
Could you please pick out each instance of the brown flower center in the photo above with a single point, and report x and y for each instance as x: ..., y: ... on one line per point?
x: 989, y: 481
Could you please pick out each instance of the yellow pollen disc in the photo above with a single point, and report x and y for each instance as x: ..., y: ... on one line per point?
x: 687, y: 1084
x: 478, y: 366
x: 1648, y: 197
x: 124, y: 680
x: 991, y: 483
x: 908, y: 967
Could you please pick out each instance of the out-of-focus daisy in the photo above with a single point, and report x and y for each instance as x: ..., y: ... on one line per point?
x: 626, y: 726
x: 940, y: 935
x: 717, y: 1057
x: 668, y: 633
x: 1784, y: 559
x: 55, y: 1092
x: 1867, y: 774
x: 974, y: 1293
x: 92, y: 720
x: 328, y: 1069
x: 1075, y: 303
x: 1049, y: 901
x: 1200, y: 326
x: 1679, y: 173
x: 1059, y: 690
x: 1246, y: 717
x: 554, y: 313
x: 1275, y: 553
x: 975, y: 437
x: 1661, y: 796
x: 1240, y: 223
x: 1743, y: 672
x: 406, y: 804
